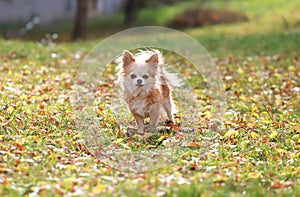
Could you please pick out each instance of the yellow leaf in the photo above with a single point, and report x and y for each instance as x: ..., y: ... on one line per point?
x: 291, y: 68
x: 23, y: 168
x: 205, y: 194
x: 240, y: 71
x: 243, y: 98
x: 37, y: 158
x: 220, y: 179
x: 206, y: 114
x: 31, y: 63
x: 119, y: 140
x: 253, y: 100
x: 253, y: 108
x: 10, y: 109
x: 177, y: 174
x: 5, y: 158
x: 254, y: 135
x: 71, y: 167
x: 280, y: 150
x: 161, y: 138
x: 69, y: 180
x: 21, y: 140
x: 255, y: 114
x: 296, y: 137
x: 273, y: 134
x: 23, y: 97
x: 231, y: 133
x: 109, y: 69
x: 266, y: 120
x: 297, y: 155
x: 254, y: 175
x: 98, y: 188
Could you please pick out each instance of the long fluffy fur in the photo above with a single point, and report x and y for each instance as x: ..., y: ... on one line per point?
x: 147, y: 101
x: 142, y: 55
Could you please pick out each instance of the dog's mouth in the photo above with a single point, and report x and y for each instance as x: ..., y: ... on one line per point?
x: 139, y: 85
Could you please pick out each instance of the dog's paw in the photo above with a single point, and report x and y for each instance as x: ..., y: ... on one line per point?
x: 149, y: 128
x: 169, y: 123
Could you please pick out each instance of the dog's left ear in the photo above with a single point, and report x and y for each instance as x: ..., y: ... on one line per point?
x: 153, y: 60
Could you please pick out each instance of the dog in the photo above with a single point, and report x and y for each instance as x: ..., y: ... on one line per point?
x: 147, y: 87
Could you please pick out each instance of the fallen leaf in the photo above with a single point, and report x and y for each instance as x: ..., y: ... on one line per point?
x: 276, y: 185
x: 161, y: 138
x: 193, y: 166
x: 273, y: 135
x: 254, y: 135
x: 10, y: 109
x: 99, y: 188
x: 220, y: 179
x: 192, y: 144
x: 231, y: 133
x: 254, y: 175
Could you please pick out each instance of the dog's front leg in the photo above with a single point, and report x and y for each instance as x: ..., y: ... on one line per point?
x: 140, y: 122
x: 154, y: 113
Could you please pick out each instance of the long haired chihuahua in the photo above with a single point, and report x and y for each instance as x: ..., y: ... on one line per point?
x: 146, y: 87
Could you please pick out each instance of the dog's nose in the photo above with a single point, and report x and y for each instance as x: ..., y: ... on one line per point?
x: 139, y: 81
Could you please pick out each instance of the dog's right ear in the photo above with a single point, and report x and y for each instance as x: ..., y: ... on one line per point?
x: 128, y: 58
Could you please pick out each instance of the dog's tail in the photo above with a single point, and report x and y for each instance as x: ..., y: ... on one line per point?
x: 171, y: 78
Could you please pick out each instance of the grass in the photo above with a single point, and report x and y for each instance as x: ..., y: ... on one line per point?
x: 254, y: 153
x: 272, y: 23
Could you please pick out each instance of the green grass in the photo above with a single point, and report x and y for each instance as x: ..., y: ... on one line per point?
x: 251, y: 44
x: 273, y: 27
x: 255, y: 152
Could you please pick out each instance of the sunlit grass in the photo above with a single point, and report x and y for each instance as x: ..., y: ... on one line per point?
x: 255, y: 153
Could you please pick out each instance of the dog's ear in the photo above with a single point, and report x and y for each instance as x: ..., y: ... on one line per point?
x: 128, y: 58
x: 153, y: 60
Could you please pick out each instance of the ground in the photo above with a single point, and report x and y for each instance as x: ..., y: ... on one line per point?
x: 255, y: 151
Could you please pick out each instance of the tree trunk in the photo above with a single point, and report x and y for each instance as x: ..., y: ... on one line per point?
x: 130, y: 10
x: 80, y: 19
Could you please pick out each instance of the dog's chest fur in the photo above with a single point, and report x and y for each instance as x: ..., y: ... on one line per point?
x: 141, y: 101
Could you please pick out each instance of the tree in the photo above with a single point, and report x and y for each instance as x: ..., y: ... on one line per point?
x: 130, y: 10
x: 80, y: 19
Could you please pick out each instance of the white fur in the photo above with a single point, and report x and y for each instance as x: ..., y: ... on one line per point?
x: 153, y: 92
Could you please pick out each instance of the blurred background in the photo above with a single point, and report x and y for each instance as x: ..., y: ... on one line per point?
x: 69, y: 20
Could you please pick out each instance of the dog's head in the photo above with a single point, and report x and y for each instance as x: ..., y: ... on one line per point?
x: 140, y: 71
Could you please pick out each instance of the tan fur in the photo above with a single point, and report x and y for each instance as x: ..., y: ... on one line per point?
x: 146, y: 87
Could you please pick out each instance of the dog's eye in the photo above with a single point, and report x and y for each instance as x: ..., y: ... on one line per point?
x: 145, y: 76
x: 133, y: 76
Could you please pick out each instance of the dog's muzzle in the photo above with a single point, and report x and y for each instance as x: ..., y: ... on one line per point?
x: 139, y: 82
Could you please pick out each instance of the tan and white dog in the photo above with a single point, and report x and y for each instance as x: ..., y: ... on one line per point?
x: 146, y: 87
